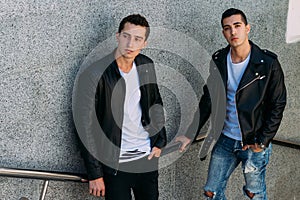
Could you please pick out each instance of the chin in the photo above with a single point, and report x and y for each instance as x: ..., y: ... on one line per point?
x: 235, y: 44
x: 128, y: 56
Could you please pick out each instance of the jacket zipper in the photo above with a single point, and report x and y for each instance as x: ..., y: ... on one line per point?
x: 257, y: 78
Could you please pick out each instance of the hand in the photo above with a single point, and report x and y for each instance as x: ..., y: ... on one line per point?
x: 155, y: 152
x: 255, y: 147
x: 184, y: 141
x: 97, y: 187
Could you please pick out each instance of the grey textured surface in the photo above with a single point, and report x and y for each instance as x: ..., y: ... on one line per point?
x: 43, y: 43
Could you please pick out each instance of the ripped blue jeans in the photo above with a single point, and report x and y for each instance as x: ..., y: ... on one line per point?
x: 225, y: 157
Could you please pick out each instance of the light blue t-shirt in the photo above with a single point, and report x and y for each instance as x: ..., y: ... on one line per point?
x: 235, y: 73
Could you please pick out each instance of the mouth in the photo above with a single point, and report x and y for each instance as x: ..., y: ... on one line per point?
x: 128, y: 51
x: 233, y: 39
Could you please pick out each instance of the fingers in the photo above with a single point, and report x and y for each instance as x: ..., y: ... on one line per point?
x: 150, y: 156
x: 183, y: 146
x: 254, y: 147
x: 184, y: 142
x: 97, y: 192
x: 102, y: 192
x: 248, y: 146
x: 245, y: 147
x: 97, y: 187
x: 154, y: 153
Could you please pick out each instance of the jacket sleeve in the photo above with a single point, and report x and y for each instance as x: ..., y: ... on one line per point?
x: 212, y: 88
x: 162, y: 137
x: 201, y: 115
x: 92, y: 165
x: 156, y: 112
x: 83, y: 106
x: 275, y: 104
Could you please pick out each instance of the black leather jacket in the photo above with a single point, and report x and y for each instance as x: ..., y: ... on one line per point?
x: 260, y: 98
x: 101, y: 151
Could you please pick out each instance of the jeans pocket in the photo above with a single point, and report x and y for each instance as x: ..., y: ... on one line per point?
x: 258, y: 160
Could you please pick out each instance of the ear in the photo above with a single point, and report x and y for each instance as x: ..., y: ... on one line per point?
x: 248, y: 28
x: 117, y: 36
x: 223, y: 33
x: 145, y: 44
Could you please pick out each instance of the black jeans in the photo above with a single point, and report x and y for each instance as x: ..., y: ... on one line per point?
x: 144, y: 185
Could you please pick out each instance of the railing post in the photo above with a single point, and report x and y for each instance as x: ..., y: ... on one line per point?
x: 44, y: 191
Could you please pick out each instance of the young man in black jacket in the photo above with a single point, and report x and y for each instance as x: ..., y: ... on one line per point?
x: 121, y: 125
x: 245, y: 96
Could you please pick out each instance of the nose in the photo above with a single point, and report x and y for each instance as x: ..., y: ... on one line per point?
x: 130, y: 42
x: 233, y: 31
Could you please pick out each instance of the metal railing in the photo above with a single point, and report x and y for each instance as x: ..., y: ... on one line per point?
x: 58, y: 176
x: 277, y: 141
x: 42, y: 175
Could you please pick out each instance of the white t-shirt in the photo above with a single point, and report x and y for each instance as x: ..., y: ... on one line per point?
x: 135, y: 142
x: 235, y: 73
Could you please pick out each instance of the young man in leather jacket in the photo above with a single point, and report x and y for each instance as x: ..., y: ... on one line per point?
x: 245, y: 97
x: 121, y: 125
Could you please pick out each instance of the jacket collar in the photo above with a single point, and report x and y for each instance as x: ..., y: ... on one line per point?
x: 256, y: 54
x: 256, y: 59
x: 137, y: 60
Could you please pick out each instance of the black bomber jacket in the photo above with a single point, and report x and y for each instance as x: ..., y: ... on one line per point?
x: 260, y: 98
x: 101, y: 151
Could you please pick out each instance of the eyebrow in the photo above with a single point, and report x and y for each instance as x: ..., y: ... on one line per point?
x: 136, y: 36
x: 235, y: 23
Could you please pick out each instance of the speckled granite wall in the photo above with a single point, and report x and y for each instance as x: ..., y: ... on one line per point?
x: 43, y: 43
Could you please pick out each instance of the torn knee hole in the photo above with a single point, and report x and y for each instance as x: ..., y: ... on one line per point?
x: 209, y: 194
x: 250, y: 194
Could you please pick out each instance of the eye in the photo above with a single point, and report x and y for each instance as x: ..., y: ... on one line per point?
x: 124, y: 35
x: 237, y: 25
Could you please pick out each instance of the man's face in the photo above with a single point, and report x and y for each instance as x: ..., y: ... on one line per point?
x: 131, y: 40
x: 235, y: 31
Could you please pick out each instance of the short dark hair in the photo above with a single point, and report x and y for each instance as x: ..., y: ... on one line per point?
x: 233, y: 11
x: 135, y: 19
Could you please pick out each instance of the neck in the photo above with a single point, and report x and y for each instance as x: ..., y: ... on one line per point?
x: 240, y: 53
x: 124, y: 64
